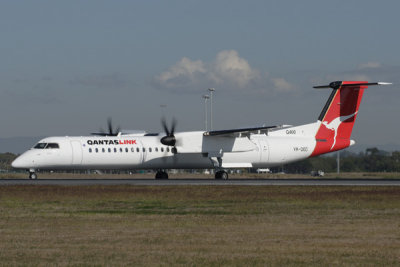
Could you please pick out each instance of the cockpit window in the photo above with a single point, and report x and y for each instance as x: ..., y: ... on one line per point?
x: 46, y: 146
x: 52, y: 145
x: 40, y: 146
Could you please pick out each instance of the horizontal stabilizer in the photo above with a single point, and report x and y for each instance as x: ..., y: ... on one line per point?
x: 336, y: 85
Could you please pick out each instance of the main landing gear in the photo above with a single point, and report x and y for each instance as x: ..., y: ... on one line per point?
x: 216, y: 161
x: 221, y: 175
x: 161, y: 175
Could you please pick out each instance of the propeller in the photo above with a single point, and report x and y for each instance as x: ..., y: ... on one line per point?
x: 111, y: 131
x: 169, y: 139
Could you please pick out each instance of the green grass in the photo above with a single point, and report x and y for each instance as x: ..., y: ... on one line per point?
x: 199, y: 225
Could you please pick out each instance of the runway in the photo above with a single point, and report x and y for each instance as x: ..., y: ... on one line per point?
x: 205, y: 182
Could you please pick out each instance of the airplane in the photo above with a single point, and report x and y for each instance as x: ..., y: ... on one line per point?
x: 256, y: 147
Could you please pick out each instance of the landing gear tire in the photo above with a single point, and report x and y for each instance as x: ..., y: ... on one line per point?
x: 161, y: 175
x: 32, y: 176
x: 221, y: 175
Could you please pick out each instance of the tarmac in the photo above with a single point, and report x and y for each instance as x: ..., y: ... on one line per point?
x: 205, y: 182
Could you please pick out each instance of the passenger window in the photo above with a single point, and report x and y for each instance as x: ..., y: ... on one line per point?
x: 126, y: 150
x: 132, y: 149
x: 103, y: 150
x: 137, y: 149
x: 167, y: 149
x: 97, y: 150
x: 90, y: 150
x: 109, y: 150
x: 144, y: 149
x: 40, y: 146
x: 156, y: 149
x: 115, y: 149
x: 162, y: 149
x: 120, y: 149
x: 149, y: 149
x: 52, y: 145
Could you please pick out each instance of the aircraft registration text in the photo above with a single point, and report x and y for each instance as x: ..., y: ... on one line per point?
x: 300, y: 149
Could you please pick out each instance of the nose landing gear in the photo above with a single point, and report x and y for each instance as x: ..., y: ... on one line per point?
x: 32, y: 174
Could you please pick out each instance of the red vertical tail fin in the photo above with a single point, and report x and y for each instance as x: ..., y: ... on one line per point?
x: 338, y: 116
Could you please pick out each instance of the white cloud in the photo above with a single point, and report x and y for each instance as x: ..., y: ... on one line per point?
x: 232, y: 69
x: 183, y: 72
x: 227, y: 70
x: 282, y: 85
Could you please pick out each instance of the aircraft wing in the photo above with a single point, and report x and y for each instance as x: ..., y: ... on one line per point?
x: 233, y: 132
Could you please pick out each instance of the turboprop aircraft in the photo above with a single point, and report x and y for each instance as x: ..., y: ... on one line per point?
x: 258, y: 147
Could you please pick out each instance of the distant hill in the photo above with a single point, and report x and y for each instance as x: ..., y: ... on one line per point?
x: 17, y: 145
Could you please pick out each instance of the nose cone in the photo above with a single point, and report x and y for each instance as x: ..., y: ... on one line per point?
x: 21, y: 163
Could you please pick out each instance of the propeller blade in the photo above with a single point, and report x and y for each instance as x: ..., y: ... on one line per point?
x: 110, y: 128
x: 173, y: 126
x: 165, y: 127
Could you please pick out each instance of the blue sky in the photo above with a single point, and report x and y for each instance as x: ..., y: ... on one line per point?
x: 65, y: 66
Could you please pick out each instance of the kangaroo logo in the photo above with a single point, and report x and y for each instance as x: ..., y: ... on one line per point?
x: 335, y: 123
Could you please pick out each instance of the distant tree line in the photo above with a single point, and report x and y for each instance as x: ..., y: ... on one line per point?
x: 372, y: 160
x: 5, y: 161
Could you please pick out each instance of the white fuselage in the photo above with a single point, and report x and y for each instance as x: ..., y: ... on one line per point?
x: 257, y: 147
x: 195, y: 151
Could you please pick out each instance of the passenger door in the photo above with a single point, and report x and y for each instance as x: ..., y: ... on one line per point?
x: 76, y: 152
